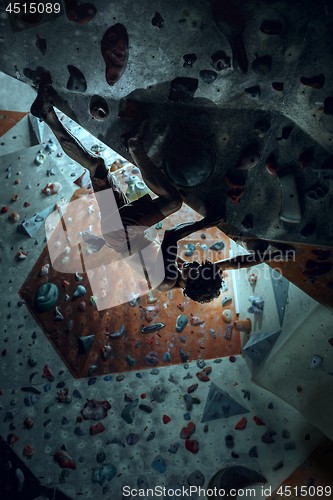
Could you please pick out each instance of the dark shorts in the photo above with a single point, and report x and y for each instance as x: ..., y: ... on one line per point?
x: 136, y: 217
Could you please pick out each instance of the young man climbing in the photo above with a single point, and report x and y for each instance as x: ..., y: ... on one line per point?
x: 201, y: 282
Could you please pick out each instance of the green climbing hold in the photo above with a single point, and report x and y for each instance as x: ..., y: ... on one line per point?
x: 46, y: 297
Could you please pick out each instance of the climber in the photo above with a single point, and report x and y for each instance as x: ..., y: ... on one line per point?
x: 200, y: 282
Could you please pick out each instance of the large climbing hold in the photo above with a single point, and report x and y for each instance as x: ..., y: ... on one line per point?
x: 114, y: 48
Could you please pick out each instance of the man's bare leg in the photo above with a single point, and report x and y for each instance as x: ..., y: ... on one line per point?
x: 169, y: 200
x: 71, y: 146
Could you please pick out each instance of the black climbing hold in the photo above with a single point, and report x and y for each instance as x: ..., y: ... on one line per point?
x: 85, y: 343
x: 309, y: 229
x: 207, y: 75
x: 157, y: 20
x: 76, y: 81
x: 271, y: 27
x: 262, y: 65
x: 41, y: 45
x: 253, y: 452
x: 286, y: 131
x: 316, y: 82
x: 182, y: 89
x: 189, y: 60
x: 278, y: 86
x: 98, y: 108
x: 328, y: 106
x: 254, y: 91
x: 247, y: 222
x: 220, y: 60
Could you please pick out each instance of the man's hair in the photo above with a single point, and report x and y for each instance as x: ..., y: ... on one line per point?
x: 204, y: 282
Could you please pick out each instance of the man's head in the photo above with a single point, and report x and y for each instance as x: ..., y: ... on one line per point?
x: 202, y: 281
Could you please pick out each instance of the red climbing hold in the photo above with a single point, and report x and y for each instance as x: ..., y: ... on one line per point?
x: 96, y: 428
x: 202, y: 376
x: 47, y: 373
x: 192, y: 445
x: 166, y: 419
x: 192, y: 388
x: 187, y: 431
x: 258, y: 421
x: 64, y: 460
x: 241, y: 424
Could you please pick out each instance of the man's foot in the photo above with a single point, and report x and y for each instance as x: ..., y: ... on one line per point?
x: 43, y: 102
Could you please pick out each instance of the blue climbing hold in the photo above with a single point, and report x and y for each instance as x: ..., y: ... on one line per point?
x: 166, y: 357
x: 159, y: 464
x: 181, y: 322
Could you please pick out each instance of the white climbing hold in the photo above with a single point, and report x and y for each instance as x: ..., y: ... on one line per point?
x: 316, y: 361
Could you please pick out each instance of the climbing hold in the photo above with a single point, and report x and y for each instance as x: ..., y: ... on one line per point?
x: 219, y: 245
x: 227, y: 315
x: 76, y: 81
x: 82, y: 306
x: 132, y: 439
x: 166, y: 419
x: 253, y: 452
x: 159, y: 393
x: 316, y: 82
x: 166, y: 357
x: 189, y: 60
x: 103, y: 473
x: 128, y: 412
x: 253, y: 279
x: 257, y: 306
x: 152, y: 328
x: 82, y: 13
x: 187, y: 431
x: 173, y: 448
x: 278, y: 86
x: 328, y: 105
x: 228, y: 331
x: 226, y: 300
x: 96, y: 428
x: 241, y: 424
x: 46, y: 297
x: 184, y: 356
x: 196, y: 478
x: 192, y: 388
x: 229, y: 441
x: 85, y: 343
x: 114, y: 48
x: 95, y: 410
x: 41, y: 45
x: 145, y: 408
x: 151, y: 358
x: 192, y: 445
x: 258, y: 420
x: 207, y: 75
x: 159, y: 464
x: 188, y: 402
x: 98, y: 108
x: 195, y: 320
x: 220, y: 60
x: 58, y: 315
x: 79, y: 292
x: 151, y: 436
x: 51, y: 188
x: 271, y: 27
x: 181, y: 322
x: 254, y: 91
x: 64, y: 460
x: 316, y: 361
x: 118, y: 333
x: 157, y: 20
